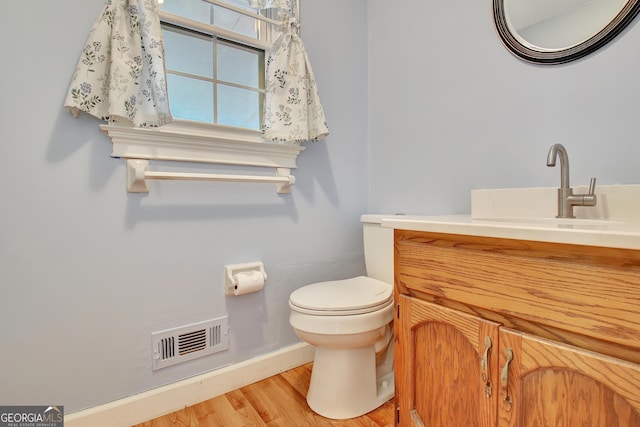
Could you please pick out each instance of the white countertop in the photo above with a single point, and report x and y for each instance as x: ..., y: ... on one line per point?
x: 529, y: 214
x: 613, y: 234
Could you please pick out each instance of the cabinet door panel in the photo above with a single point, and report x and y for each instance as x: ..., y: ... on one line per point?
x: 564, y: 386
x: 439, y: 369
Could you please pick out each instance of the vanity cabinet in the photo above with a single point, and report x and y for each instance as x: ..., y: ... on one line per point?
x: 445, y: 367
x: 500, y: 332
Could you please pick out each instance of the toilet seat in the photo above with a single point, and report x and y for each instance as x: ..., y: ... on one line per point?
x: 359, y: 295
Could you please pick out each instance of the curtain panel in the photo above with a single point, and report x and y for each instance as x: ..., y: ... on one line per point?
x: 120, y: 76
x: 293, y: 111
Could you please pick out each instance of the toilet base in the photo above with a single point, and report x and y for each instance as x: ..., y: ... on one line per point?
x: 344, y: 383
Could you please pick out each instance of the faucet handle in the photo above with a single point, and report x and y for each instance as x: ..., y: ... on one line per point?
x: 592, y: 186
x: 589, y: 199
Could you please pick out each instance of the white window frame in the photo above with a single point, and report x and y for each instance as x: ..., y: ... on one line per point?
x: 189, y: 141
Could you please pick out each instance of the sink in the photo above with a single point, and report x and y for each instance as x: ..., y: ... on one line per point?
x: 617, y: 204
x: 551, y: 222
x: 530, y: 214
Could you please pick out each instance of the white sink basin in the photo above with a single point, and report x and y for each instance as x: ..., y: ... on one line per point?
x: 558, y: 222
x: 616, y: 204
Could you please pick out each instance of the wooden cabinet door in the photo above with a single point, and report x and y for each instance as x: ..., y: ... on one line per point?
x: 552, y: 384
x: 443, y: 378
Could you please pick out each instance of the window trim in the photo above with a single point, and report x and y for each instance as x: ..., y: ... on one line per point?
x: 186, y: 141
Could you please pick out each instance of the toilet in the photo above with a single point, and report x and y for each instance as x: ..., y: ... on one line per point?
x: 349, y: 322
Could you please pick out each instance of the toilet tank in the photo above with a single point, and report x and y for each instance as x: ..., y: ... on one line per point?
x: 378, y: 248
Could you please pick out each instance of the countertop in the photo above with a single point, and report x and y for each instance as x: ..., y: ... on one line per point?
x: 603, y: 233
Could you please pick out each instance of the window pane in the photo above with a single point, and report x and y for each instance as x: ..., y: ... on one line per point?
x: 238, y: 65
x: 211, y: 79
x: 190, y: 99
x: 236, y: 22
x: 188, y: 52
x: 196, y: 10
x: 201, y: 11
x: 238, y: 107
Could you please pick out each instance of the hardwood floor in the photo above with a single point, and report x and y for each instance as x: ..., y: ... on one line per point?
x: 275, y: 401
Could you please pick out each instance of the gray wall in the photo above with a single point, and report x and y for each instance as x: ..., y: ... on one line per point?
x: 450, y: 109
x: 88, y: 271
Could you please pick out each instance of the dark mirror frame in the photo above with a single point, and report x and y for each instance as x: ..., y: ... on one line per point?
x: 624, y: 18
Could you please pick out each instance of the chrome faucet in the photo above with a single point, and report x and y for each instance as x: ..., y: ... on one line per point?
x: 566, y: 199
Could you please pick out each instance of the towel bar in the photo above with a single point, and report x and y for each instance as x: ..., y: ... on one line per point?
x: 137, y: 176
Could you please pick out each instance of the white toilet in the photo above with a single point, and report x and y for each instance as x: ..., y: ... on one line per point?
x: 350, y: 324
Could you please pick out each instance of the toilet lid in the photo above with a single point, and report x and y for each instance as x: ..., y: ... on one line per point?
x: 341, y: 297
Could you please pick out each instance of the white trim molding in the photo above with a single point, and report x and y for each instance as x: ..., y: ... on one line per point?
x: 193, y: 142
x: 173, y: 397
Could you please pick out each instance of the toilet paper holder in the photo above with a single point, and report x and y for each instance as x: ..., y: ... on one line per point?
x: 231, y: 270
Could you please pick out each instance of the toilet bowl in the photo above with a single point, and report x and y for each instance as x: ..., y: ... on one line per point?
x: 350, y: 324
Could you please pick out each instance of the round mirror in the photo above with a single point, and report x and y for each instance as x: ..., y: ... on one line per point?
x: 557, y: 31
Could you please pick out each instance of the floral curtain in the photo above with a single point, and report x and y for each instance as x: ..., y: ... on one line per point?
x: 293, y: 112
x: 120, y: 75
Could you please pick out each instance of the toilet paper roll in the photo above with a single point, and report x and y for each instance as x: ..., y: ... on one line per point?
x: 247, y: 282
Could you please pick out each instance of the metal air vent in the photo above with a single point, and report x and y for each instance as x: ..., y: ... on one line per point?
x: 188, y: 342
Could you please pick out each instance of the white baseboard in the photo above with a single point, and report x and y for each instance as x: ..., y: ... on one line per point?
x: 172, y: 397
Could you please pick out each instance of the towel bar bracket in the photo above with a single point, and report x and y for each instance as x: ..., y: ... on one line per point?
x: 138, y: 175
x: 135, y: 176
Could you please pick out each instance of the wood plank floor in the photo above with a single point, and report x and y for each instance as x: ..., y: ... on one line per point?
x: 276, y: 401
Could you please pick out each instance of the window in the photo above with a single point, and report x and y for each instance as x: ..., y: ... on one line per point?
x: 215, y: 62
